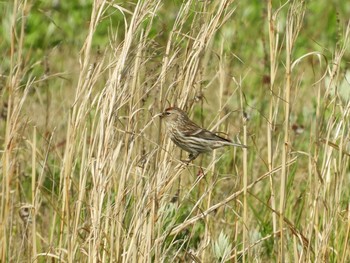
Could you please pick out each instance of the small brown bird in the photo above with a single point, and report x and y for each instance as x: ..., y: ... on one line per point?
x: 189, y: 136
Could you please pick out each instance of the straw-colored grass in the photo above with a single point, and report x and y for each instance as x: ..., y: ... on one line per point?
x: 89, y: 175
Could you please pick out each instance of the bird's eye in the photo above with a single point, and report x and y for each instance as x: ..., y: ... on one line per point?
x: 167, y: 113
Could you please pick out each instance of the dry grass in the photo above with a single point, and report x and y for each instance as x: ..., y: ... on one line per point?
x: 88, y: 174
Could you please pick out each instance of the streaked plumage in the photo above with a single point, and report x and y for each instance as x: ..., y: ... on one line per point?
x: 191, y: 137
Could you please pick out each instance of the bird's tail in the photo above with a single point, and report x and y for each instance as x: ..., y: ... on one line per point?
x: 225, y: 141
x: 238, y: 145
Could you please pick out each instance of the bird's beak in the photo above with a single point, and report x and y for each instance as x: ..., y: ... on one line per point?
x: 161, y: 115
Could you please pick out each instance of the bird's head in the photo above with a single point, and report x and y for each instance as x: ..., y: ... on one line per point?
x: 173, y: 115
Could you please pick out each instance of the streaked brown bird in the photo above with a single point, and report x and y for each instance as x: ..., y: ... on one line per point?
x: 189, y: 136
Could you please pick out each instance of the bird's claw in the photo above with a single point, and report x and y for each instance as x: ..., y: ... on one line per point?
x: 187, y: 162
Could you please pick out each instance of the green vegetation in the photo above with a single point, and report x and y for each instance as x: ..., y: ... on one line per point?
x: 88, y: 173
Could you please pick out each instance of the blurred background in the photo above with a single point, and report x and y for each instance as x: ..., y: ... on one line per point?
x: 88, y: 174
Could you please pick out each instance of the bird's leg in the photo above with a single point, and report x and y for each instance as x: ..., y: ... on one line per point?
x: 191, y: 157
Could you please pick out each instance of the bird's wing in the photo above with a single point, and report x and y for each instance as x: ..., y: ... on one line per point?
x: 195, y: 130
